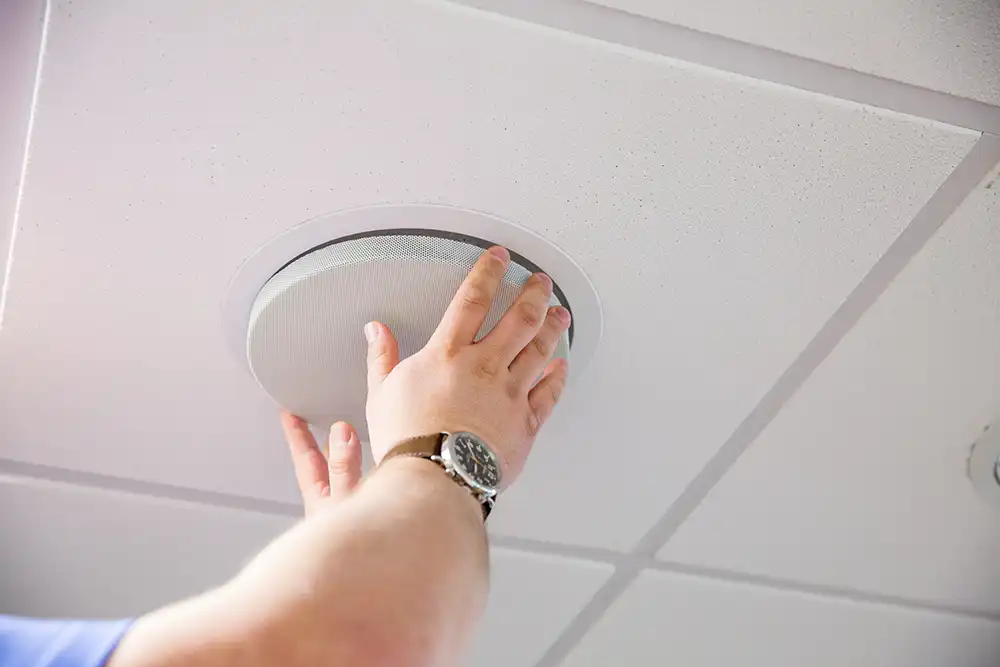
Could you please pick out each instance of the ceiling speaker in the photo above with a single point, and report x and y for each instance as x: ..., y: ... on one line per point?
x: 304, y: 339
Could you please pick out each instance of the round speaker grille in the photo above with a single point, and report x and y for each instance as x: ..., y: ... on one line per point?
x: 305, y: 342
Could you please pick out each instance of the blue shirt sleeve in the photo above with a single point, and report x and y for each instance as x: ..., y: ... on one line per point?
x: 33, y: 642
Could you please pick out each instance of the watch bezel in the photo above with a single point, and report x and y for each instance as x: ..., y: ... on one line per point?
x: 448, y: 455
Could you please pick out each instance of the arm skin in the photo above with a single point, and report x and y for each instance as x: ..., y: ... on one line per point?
x: 395, y: 575
x: 391, y: 572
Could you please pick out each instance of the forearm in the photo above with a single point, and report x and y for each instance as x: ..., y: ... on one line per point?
x: 395, y: 575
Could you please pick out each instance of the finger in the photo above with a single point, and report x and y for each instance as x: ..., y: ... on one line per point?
x: 343, y: 460
x: 310, y: 466
x: 543, y: 398
x: 522, y: 321
x: 383, y: 353
x: 532, y: 360
x: 472, y: 302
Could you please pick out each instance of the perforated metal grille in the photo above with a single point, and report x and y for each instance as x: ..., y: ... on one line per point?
x: 305, y: 343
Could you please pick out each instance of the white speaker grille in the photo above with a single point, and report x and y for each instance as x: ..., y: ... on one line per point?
x: 305, y: 344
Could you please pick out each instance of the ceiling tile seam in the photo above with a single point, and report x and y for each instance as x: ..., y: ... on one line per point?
x: 589, y: 616
x: 630, y: 565
x: 824, y: 591
x: 80, y: 479
x: 25, y: 159
x: 967, y: 175
x: 618, y: 27
x: 962, y: 181
x: 155, y: 490
x: 627, y: 574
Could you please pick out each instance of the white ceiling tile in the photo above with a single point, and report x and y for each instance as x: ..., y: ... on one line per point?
x: 21, y: 24
x: 721, y: 220
x: 532, y: 600
x: 72, y: 551
x: 860, y: 481
x: 952, y: 47
x: 75, y: 551
x: 666, y: 619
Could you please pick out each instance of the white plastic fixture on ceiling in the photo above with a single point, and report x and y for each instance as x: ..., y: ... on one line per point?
x: 301, y: 327
x: 984, y: 464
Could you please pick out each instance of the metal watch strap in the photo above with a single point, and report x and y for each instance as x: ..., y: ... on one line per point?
x: 429, y: 447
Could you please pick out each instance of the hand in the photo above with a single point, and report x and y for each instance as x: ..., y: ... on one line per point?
x: 456, y: 384
x: 323, y: 481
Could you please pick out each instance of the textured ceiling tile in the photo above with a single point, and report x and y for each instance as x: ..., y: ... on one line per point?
x: 721, y: 220
x: 21, y: 24
x: 953, y: 47
x: 861, y: 479
x: 667, y: 619
x: 532, y: 600
x: 70, y: 551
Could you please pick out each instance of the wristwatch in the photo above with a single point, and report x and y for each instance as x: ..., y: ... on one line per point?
x: 464, y: 456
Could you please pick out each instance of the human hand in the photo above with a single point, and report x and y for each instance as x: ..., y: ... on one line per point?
x: 323, y: 480
x: 456, y: 384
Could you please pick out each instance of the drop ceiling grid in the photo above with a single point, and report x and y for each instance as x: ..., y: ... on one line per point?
x: 968, y: 187
x: 668, y: 618
x: 795, y: 157
x: 915, y: 382
x: 756, y: 61
x: 118, y: 538
x: 164, y: 489
x: 953, y: 47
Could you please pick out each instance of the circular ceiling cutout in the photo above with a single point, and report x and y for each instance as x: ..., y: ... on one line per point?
x: 296, y: 308
x: 984, y: 465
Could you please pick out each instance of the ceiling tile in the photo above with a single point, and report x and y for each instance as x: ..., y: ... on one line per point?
x: 861, y: 481
x: 72, y: 551
x: 952, y: 47
x: 684, y: 621
x: 532, y: 600
x: 721, y: 220
x: 20, y: 39
x: 75, y: 551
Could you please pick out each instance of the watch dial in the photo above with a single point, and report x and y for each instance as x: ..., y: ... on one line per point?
x: 477, y: 460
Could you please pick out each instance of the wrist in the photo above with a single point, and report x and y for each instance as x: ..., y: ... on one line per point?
x: 422, y: 480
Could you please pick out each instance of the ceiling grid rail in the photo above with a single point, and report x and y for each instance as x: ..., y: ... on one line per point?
x: 647, y: 36
x: 969, y: 173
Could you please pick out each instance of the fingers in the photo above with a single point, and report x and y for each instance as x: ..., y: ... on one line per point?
x: 343, y: 460
x: 383, y: 353
x: 543, y: 398
x: 532, y: 360
x: 522, y: 321
x: 472, y: 302
x: 310, y: 467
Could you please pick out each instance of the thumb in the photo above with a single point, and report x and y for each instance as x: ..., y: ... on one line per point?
x: 383, y: 353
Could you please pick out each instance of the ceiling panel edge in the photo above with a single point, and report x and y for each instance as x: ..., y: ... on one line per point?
x: 21, y: 45
x: 631, y: 31
x: 968, y: 175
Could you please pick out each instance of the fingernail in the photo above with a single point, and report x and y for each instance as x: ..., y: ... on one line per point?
x: 340, y: 433
x: 545, y: 280
x: 371, y: 332
x: 500, y: 253
x: 563, y: 315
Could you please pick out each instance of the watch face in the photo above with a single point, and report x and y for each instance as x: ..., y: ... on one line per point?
x: 476, y: 460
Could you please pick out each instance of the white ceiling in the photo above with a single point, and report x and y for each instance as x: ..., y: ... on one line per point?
x: 735, y: 228
x: 952, y: 47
